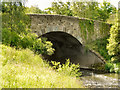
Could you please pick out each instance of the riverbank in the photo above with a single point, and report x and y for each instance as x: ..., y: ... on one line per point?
x: 24, y: 69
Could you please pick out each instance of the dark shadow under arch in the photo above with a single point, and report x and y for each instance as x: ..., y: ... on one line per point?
x: 66, y: 46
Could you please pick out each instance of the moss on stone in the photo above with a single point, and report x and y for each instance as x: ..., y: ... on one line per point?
x: 87, y: 28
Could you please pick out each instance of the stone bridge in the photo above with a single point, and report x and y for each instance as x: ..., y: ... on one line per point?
x: 67, y: 34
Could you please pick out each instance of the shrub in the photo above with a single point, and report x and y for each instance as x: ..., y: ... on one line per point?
x: 114, y: 46
x: 29, y: 40
x: 112, y: 67
x: 114, y: 40
x: 43, y: 47
x: 67, y: 68
x: 10, y: 38
x: 114, y: 43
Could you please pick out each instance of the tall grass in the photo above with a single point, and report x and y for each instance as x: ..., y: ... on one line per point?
x: 24, y: 69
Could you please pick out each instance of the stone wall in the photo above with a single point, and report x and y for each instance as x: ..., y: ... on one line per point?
x: 82, y: 29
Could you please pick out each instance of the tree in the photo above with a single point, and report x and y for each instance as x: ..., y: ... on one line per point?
x: 105, y: 10
x: 14, y: 17
x: 34, y: 9
x: 16, y: 30
x: 114, y: 41
x: 85, y: 9
x: 14, y: 22
x: 60, y: 8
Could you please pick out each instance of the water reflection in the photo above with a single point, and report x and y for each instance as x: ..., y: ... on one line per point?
x: 94, y: 80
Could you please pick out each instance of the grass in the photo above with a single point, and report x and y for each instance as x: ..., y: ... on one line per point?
x: 24, y: 69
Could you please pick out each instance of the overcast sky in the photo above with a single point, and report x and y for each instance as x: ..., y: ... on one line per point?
x: 42, y: 4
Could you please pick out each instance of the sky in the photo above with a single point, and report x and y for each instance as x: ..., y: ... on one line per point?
x: 42, y: 4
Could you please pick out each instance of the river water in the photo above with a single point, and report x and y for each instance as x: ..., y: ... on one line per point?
x: 92, y: 79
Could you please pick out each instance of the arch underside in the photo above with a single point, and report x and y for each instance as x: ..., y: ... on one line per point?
x: 68, y: 47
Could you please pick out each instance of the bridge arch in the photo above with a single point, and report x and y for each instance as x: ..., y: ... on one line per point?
x: 83, y: 29
x: 77, y: 32
x: 68, y: 47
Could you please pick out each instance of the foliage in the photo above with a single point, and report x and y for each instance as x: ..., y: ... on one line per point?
x: 16, y: 31
x: 112, y: 67
x: 24, y: 69
x: 67, y: 68
x: 60, y: 8
x: 10, y: 38
x: 114, y: 45
x: 83, y: 9
x: 14, y: 22
x: 87, y: 29
x: 114, y: 42
x: 34, y: 9
x: 105, y: 10
x: 99, y: 46
x: 14, y: 17
x: 107, y: 67
x: 29, y: 40
x: 43, y: 47
x: 112, y: 19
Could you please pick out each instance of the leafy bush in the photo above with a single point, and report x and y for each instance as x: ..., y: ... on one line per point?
x: 67, y: 68
x: 29, y: 40
x: 44, y: 47
x: 112, y: 67
x: 114, y: 43
x: 10, y: 38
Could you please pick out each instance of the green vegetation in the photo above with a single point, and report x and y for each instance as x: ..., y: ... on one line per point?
x: 91, y: 10
x: 34, y: 9
x: 87, y: 28
x: 24, y: 69
x: 99, y: 46
x: 67, y: 68
x: 114, y: 43
x: 21, y: 62
x: 112, y: 67
x: 105, y: 10
x: 60, y: 8
x: 112, y: 19
x: 16, y: 30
